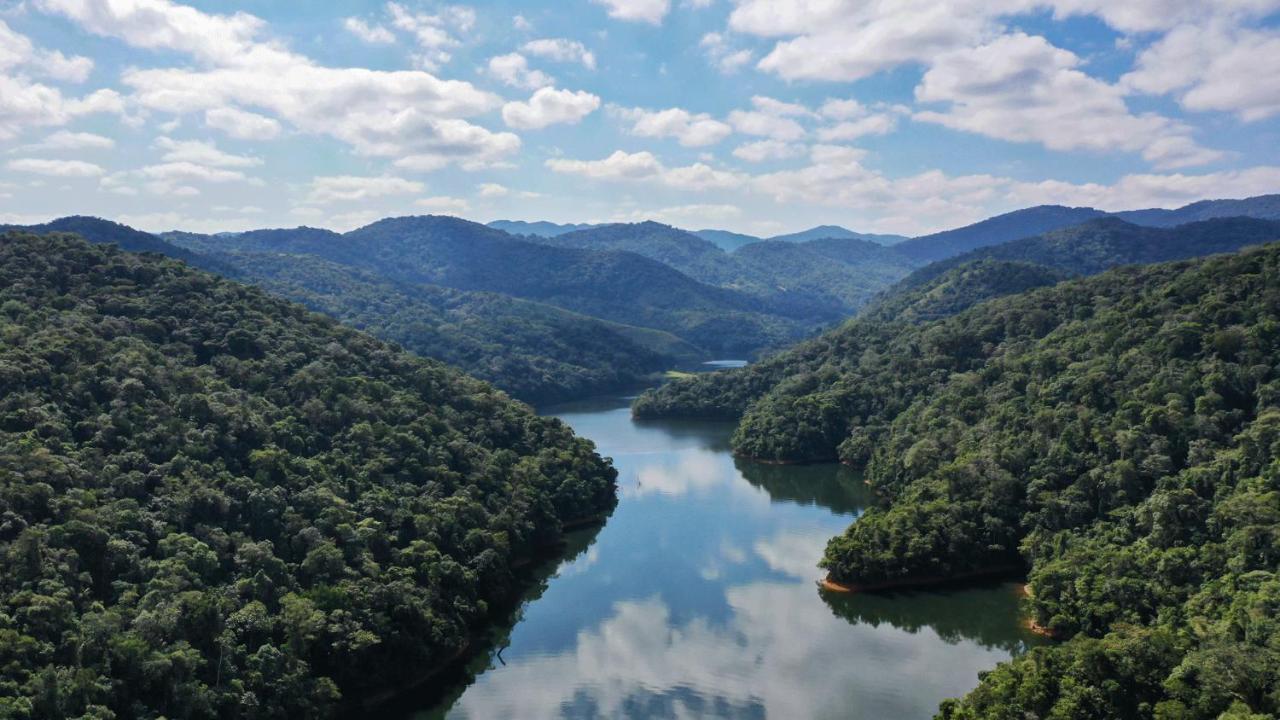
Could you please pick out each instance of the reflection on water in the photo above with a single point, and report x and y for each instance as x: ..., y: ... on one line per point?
x: 698, y: 599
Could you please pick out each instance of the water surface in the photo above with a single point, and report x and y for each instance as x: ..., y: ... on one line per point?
x: 698, y: 598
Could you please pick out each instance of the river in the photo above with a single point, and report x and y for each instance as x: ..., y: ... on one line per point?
x: 698, y: 598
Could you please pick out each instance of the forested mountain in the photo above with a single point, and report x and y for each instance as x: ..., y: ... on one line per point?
x: 1116, y: 435
x: 994, y: 231
x: 1106, y: 242
x: 621, y: 287
x: 536, y: 352
x: 214, y: 503
x: 1263, y: 207
x: 97, y: 230
x: 795, y: 278
x: 726, y: 240
x: 823, y: 232
x: 798, y: 381
x: 540, y: 228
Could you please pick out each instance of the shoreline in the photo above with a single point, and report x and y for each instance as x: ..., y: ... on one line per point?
x: 916, y: 583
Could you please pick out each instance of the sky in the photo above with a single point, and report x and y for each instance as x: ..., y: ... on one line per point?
x: 758, y: 116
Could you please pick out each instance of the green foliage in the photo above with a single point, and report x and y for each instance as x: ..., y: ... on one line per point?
x: 217, y: 504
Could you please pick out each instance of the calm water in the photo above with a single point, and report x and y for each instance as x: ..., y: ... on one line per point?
x: 698, y: 599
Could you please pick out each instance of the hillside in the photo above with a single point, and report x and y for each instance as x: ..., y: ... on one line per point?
x: 799, y: 381
x: 823, y: 232
x: 1096, y: 245
x: 99, y: 231
x: 540, y: 228
x: 791, y: 278
x: 535, y: 352
x: 620, y: 287
x: 1263, y: 207
x: 1116, y: 435
x: 994, y: 231
x: 726, y: 240
x: 213, y: 501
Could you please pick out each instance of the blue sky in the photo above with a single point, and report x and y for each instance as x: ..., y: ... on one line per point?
x: 761, y: 116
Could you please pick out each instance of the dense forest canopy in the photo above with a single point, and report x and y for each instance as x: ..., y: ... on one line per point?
x: 216, y: 504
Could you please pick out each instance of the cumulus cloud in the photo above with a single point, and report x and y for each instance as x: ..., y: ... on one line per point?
x: 723, y: 55
x: 647, y: 11
x: 754, y: 122
x: 242, y: 125
x: 202, y: 153
x: 378, y: 113
x: 561, y: 50
x: 373, y: 34
x: 65, y: 140
x: 513, y: 69
x: 1021, y: 88
x: 691, y: 130
x: 644, y: 165
x: 351, y: 188
x: 434, y: 33
x: 1214, y: 67
x: 764, y: 150
x: 55, y: 168
x: 549, y: 106
x: 492, y: 190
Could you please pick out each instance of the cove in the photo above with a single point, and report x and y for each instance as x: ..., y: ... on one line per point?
x: 698, y: 598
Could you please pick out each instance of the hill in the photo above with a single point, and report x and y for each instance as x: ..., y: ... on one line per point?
x: 994, y: 231
x: 621, y: 287
x: 536, y: 352
x: 1096, y: 245
x: 540, y: 228
x: 215, y: 502
x: 1264, y: 207
x: 726, y: 240
x: 800, y: 378
x: 824, y: 232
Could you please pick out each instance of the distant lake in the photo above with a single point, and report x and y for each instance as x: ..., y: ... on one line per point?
x: 698, y: 598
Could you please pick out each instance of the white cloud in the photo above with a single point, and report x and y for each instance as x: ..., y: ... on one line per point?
x: 648, y: 11
x: 65, y: 140
x: 25, y: 104
x: 763, y: 150
x: 549, y: 106
x: 351, y: 188
x: 691, y: 130
x: 521, y: 22
x: 378, y: 113
x: 374, y: 34
x: 443, y: 204
x: 619, y: 165
x: 513, y: 69
x: 842, y: 109
x: 753, y: 122
x: 17, y: 51
x: 695, y: 215
x: 1214, y: 67
x: 561, y: 50
x: 645, y: 166
x: 1020, y: 88
x: 492, y: 190
x: 433, y: 33
x: 878, y: 124
x: 55, y: 168
x: 242, y: 125
x: 772, y: 106
x: 202, y: 153
x: 721, y: 54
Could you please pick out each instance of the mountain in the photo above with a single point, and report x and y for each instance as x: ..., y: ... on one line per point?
x: 215, y: 500
x: 97, y: 230
x: 1265, y: 207
x: 835, y: 231
x: 726, y: 240
x: 621, y: 287
x: 536, y: 352
x: 794, y: 279
x: 540, y: 228
x: 949, y: 286
x: 993, y: 231
x: 1106, y: 242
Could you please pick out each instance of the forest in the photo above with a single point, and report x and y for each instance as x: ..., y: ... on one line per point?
x: 214, y: 503
x: 1115, y: 437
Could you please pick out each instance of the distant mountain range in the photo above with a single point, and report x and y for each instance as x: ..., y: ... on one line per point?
x: 540, y: 227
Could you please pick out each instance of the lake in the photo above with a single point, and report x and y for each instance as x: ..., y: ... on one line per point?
x: 698, y: 598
